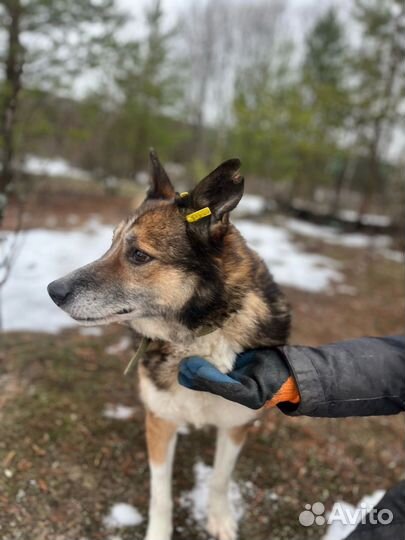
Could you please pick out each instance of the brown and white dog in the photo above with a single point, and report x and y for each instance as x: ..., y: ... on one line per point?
x: 194, y: 288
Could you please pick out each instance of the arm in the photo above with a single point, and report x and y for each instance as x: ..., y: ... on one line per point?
x: 362, y: 377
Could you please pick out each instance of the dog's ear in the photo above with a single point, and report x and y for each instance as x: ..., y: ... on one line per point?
x: 160, y: 184
x: 221, y: 190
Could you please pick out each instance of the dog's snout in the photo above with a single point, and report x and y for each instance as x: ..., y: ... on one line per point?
x: 59, y: 291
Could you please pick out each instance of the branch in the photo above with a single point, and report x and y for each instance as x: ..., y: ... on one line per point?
x: 7, y: 263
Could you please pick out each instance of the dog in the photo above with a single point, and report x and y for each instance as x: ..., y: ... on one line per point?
x: 179, y: 273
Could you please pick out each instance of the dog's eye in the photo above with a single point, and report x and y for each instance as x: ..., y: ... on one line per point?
x: 139, y: 257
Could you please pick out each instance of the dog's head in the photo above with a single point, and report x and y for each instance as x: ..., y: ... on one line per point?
x: 161, y: 263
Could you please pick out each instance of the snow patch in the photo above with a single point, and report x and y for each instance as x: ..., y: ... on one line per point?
x: 392, y: 255
x: 43, y: 256
x: 54, y: 167
x: 122, y: 345
x: 288, y: 263
x: 196, y: 500
x: 337, y: 530
x: 250, y: 205
x: 122, y: 515
x: 334, y: 236
x: 368, y: 219
x: 118, y: 412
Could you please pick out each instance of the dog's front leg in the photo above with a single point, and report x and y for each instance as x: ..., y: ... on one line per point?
x: 221, y: 522
x: 161, y: 441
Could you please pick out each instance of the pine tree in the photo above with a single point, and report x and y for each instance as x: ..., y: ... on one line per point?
x: 148, y: 85
x: 47, y: 42
x: 379, y: 91
x: 325, y: 83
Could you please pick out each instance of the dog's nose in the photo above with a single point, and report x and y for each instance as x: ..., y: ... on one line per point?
x: 59, y: 290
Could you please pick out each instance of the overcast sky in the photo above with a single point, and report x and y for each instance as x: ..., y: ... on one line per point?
x: 302, y: 11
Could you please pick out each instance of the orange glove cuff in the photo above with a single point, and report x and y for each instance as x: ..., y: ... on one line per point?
x: 288, y: 392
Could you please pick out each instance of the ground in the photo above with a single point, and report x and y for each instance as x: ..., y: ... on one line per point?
x: 63, y: 464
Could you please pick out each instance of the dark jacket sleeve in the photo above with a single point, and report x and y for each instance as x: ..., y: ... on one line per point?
x: 362, y: 377
x: 394, y: 502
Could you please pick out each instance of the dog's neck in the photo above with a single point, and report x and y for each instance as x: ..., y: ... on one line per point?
x: 215, y: 344
x: 174, y: 333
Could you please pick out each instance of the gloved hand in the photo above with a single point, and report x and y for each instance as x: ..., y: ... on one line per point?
x: 259, y: 377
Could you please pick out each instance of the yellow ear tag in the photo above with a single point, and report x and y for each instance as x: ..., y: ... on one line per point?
x: 196, y: 216
x: 183, y: 194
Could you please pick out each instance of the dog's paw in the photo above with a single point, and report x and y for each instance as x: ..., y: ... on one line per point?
x: 222, y: 527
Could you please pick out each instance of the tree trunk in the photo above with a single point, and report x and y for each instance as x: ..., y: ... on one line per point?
x: 293, y: 190
x: 197, y: 146
x: 395, y: 62
x: 337, y: 191
x: 374, y: 179
x: 142, y: 141
x: 12, y: 86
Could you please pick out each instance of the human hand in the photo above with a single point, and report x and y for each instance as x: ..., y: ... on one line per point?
x: 259, y: 377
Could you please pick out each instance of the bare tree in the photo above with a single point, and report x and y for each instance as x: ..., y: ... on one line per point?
x: 217, y: 38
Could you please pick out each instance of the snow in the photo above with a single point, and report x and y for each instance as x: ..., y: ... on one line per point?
x: 288, y: 263
x: 56, y: 167
x: 367, y: 219
x: 250, y: 205
x: 122, y: 515
x: 334, y: 236
x: 396, y: 256
x: 337, y: 530
x: 45, y: 255
x: 118, y: 412
x: 122, y: 345
x: 196, y: 500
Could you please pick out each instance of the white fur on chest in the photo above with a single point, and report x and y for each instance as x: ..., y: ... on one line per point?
x: 181, y: 405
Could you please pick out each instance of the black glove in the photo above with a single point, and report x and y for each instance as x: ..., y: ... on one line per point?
x: 259, y: 377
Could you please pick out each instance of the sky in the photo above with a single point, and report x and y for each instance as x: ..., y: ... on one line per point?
x: 300, y: 15
x: 300, y: 10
